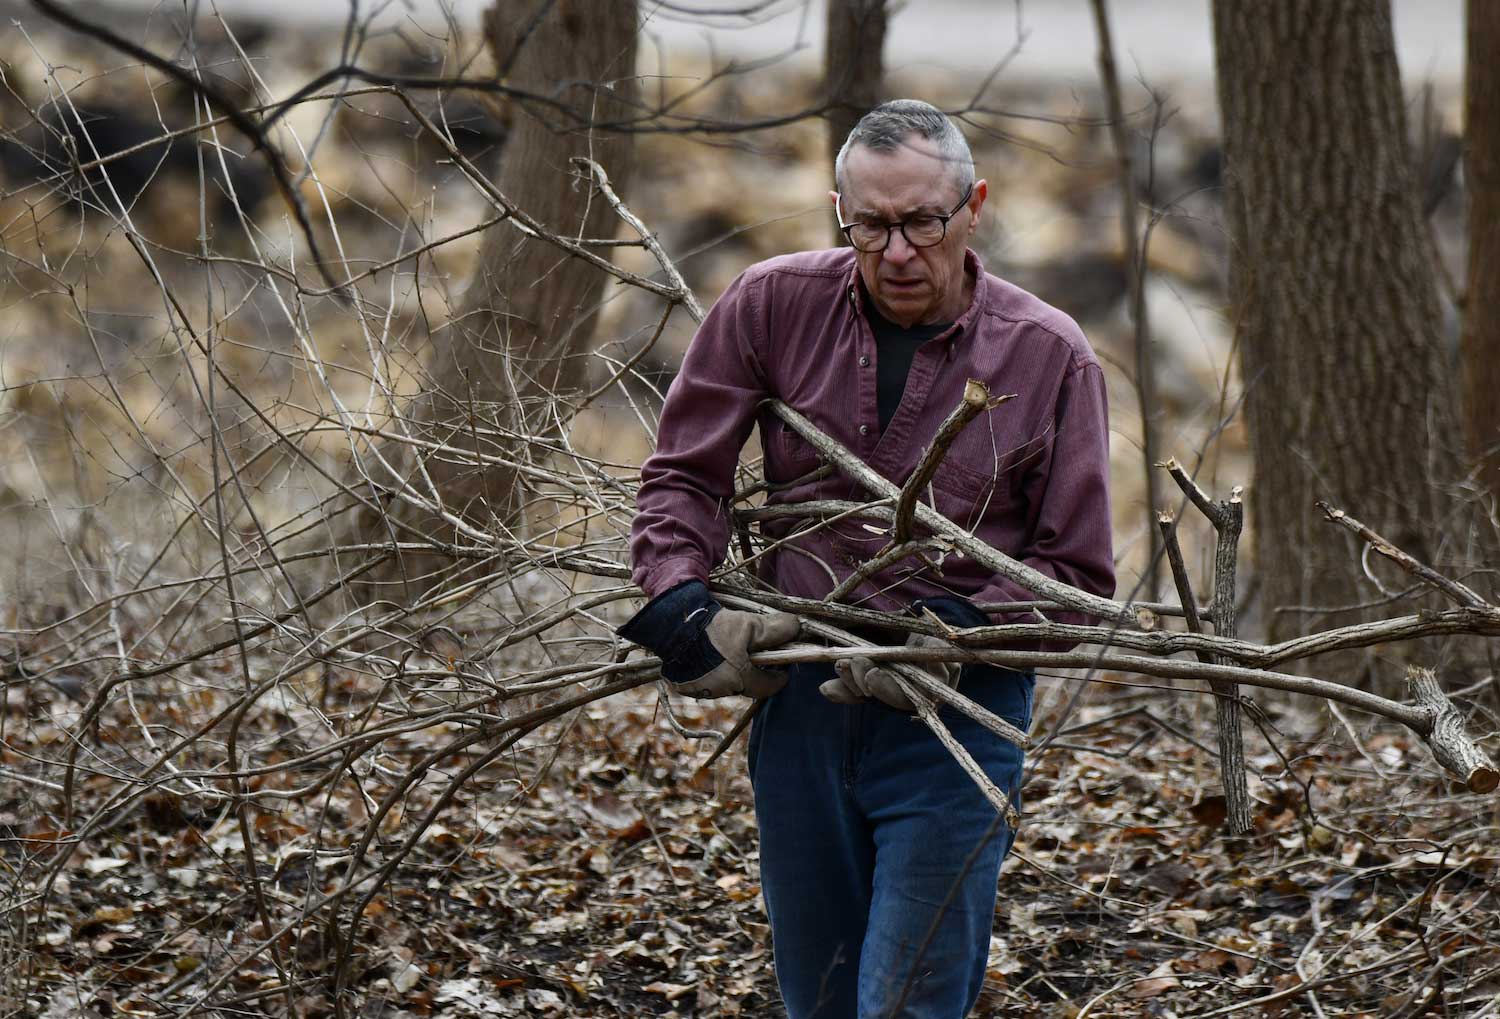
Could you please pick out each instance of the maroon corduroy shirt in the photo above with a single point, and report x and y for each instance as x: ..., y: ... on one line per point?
x: 1030, y: 477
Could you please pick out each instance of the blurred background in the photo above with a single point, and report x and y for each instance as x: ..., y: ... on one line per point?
x: 87, y: 331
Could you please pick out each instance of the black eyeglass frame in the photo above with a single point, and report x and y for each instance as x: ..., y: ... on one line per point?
x: 845, y: 228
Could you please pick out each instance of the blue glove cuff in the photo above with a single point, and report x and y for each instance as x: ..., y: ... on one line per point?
x: 672, y: 625
x: 954, y: 611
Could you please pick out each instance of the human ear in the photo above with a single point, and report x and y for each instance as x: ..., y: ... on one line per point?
x: 976, y: 202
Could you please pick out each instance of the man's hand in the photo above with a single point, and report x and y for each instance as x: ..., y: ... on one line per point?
x: 734, y: 635
x: 705, y: 648
x: 859, y: 678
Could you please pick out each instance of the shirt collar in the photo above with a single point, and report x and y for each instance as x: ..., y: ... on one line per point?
x: 972, y: 264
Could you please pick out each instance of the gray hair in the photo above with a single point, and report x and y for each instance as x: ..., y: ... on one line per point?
x: 889, y: 125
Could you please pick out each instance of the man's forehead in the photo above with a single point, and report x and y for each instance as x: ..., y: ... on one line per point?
x: 875, y: 204
x: 932, y: 196
x: 911, y: 178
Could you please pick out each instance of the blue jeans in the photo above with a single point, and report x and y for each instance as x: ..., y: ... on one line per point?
x: 879, y: 857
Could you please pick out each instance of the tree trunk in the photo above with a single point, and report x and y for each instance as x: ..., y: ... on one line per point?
x: 528, y: 316
x: 1349, y: 393
x: 1481, y: 335
x: 854, y: 68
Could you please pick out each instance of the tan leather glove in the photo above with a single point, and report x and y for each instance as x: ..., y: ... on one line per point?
x: 704, y: 647
x: 734, y: 635
x: 860, y: 678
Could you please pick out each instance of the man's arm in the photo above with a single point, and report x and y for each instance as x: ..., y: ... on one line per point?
x: 1071, y: 537
x: 682, y: 523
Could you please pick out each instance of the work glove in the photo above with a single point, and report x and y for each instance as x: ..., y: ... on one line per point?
x: 705, y: 648
x: 860, y: 678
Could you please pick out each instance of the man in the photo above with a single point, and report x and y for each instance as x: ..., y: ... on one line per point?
x: 879, y: 856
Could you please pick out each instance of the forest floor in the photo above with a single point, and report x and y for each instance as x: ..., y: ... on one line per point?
x: 594, y: 871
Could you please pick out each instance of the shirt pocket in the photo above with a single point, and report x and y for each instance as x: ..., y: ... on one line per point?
x: 981, y: 478
x: 788, y: 455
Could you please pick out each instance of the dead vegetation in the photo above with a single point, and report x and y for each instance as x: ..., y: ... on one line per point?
x: 270, y: 748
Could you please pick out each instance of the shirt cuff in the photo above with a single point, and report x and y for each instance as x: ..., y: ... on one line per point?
x: 674, y: 625
x: 669, y: 573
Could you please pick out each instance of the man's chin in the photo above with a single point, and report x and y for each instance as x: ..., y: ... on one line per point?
x: 904, y: 308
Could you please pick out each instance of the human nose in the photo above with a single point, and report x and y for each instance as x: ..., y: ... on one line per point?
x: 898, y: 249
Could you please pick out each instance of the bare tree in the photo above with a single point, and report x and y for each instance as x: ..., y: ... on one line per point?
x: 1481, y: 335
x: 523, y: 331
x: 1349, y: 393
x: 854, y: 67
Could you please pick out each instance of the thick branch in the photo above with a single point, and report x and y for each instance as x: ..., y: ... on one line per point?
x: 1445, y: 734
x: 1227, y: 704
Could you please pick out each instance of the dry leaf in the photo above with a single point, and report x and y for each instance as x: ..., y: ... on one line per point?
x: 1160, y: 980
x: 671, y: 991
x: 1210, y: 811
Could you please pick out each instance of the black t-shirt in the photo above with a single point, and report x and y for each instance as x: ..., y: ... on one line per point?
x: 895, y: 348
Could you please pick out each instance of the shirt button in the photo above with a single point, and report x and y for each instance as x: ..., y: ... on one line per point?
x: 864, y: 429
x: 864, y: 362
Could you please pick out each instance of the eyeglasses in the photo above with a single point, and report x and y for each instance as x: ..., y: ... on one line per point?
x: 920, y: 231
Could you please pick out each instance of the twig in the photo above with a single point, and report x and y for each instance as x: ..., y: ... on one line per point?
x: 1452, y: 588
x: 689, y: 301
x: 746, y: 717
x: 231, y: 111
x: 1399, y: 957
x: 1133, y: 252
x: 634, y: 359
x: 520, y: 219
x: 891, y: 555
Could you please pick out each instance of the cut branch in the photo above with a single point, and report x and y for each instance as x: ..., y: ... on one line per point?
x: 1198, y: 496
x: 1180, y: 578
x: 976, y: 400
x: 1445, y: 734
x: 1227, y: 700
x: 1128, y: 615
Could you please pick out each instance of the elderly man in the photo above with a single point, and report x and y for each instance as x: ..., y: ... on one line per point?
x: 879, y: 856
